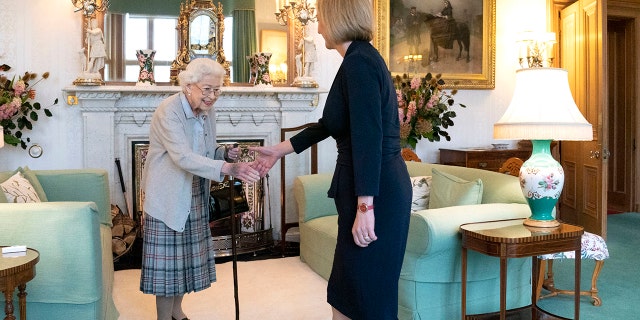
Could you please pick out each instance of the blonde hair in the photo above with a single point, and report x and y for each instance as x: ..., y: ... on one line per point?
x: 346, y: 20
x: 198, y: 69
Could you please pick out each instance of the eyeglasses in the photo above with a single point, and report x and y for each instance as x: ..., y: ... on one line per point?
x: 209, y: 91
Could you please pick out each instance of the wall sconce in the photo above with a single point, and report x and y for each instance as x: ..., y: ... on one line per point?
x: 536, y: 49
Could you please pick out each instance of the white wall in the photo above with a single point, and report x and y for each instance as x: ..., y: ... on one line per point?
x: 45, y: 35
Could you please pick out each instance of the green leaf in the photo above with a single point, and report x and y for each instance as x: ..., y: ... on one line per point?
x: 33, y: 116
x: 9, y: 139
x: 47, y: 112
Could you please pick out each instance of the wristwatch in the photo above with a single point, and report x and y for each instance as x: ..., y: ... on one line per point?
x: 363, y: 207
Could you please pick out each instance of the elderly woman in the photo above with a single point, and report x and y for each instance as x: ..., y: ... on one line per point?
x: 183, y: 157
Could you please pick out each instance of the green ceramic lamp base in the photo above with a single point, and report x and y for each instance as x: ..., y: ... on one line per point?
x: 542, y: 179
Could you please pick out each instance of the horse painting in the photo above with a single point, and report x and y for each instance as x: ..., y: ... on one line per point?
x: 444, y: 32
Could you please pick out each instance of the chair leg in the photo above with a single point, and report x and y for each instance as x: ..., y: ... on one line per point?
x: 548, y: 284
x: 594, y: 283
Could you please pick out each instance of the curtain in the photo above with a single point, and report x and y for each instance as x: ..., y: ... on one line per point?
x: 244, y: 42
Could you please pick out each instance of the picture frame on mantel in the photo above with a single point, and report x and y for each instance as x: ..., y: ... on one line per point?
x: 405, y: 36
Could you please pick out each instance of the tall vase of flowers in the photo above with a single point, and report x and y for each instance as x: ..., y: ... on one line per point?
x: 424, y: 108
x: 18, y: 109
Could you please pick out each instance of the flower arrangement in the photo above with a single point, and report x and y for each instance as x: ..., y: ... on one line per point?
x: 424, y: 108
x: 18, y: 111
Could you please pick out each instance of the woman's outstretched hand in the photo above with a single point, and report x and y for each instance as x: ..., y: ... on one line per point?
x: 242, y: 170
x: 266, y: 157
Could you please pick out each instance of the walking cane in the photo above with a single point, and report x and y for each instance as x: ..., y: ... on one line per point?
x: 233, y: 242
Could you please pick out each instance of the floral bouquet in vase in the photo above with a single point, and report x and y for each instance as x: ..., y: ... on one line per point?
x: 18, y: 111
x: 424, y: 108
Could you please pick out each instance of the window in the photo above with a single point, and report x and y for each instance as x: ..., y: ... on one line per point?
x: 141, y: 32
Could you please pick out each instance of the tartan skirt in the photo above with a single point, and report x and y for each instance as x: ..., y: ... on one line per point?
x: 175, y: 263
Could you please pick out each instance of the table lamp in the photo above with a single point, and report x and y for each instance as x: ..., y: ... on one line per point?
x: 541, y: 110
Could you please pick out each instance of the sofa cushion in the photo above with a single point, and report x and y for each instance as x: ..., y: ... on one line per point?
x: 421, y: 186
x: 497, y: 187
x: 449, y: 190
x: 17, y: 189
x: 33, y: 184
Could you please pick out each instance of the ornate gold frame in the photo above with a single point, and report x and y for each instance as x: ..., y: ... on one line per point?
x: 188, y: 11
x: 482, y: 80
x: 139, y: 150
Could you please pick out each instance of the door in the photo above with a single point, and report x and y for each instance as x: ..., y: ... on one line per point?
x: 582, y: 44
x: 622, y: 67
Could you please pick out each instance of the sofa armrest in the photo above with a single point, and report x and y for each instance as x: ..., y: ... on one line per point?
x: 67, y: 236
x: 310, y: 192
x: 438, y: 230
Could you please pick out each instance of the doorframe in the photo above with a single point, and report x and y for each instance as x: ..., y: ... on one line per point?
x: 619, y: 8
x: 631, y: 10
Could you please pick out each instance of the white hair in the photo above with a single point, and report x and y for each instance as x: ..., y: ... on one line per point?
x: 198, y: 69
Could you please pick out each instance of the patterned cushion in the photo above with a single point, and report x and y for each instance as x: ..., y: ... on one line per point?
x: 18, y: 189
x: 593, y: 247
x: 421, y: 190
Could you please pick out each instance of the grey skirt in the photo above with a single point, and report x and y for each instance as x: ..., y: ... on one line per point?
x: 175, y: 263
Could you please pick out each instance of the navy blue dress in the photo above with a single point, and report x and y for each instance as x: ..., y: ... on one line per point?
x: 361, y: 114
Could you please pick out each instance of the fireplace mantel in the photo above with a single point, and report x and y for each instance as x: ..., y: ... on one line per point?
x: 115, y: 116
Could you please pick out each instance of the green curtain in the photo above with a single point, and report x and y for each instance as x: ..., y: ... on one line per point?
x: 146, y: 7
x: 244, y: 42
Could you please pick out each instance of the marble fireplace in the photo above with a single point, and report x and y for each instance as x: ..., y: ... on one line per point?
x: 115, y: 118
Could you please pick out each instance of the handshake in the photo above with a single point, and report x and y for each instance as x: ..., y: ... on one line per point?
x: 266, y: 157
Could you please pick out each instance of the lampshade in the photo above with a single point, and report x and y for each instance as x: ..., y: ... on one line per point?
x: 542, y: 108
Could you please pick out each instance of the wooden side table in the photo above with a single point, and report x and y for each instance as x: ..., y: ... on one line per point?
x: 481, y: 158
x: 511, y: 239
x: 16, y: 272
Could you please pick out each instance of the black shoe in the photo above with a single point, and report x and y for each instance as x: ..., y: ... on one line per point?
x: 172, y: 318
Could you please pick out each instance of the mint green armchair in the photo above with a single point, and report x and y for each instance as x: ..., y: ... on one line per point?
x: 430, y: 281
x: 72, y: 232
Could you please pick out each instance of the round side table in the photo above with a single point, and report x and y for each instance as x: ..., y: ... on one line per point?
x: 16, y: 271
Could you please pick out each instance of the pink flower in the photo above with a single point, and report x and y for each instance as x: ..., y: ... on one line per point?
x: 19, y: 87
x: 415, y: 83
x: 433, y: 101
x: 412, y: 108
x: 9, y: 109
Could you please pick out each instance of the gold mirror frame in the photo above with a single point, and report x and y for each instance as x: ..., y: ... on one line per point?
x: 483, y: 80
x: 189, y: 11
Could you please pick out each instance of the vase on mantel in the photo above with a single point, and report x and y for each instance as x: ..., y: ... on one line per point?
x: 259, y: 69
x: 145, y: 60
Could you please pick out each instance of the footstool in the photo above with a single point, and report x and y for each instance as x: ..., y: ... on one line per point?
x: 593, y: 247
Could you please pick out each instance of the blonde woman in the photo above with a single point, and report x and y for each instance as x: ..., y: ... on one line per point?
x: 371, y: 186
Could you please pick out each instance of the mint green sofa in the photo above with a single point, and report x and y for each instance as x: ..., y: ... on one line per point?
x: 72, y: 232
x: 429, y: 287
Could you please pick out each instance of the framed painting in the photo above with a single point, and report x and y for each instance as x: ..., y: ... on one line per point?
x: 454, y: 38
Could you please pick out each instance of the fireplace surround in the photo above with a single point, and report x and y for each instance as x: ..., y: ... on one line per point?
x: 114, y: 117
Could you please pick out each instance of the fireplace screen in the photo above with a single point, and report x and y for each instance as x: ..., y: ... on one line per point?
x: 252, y: 232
